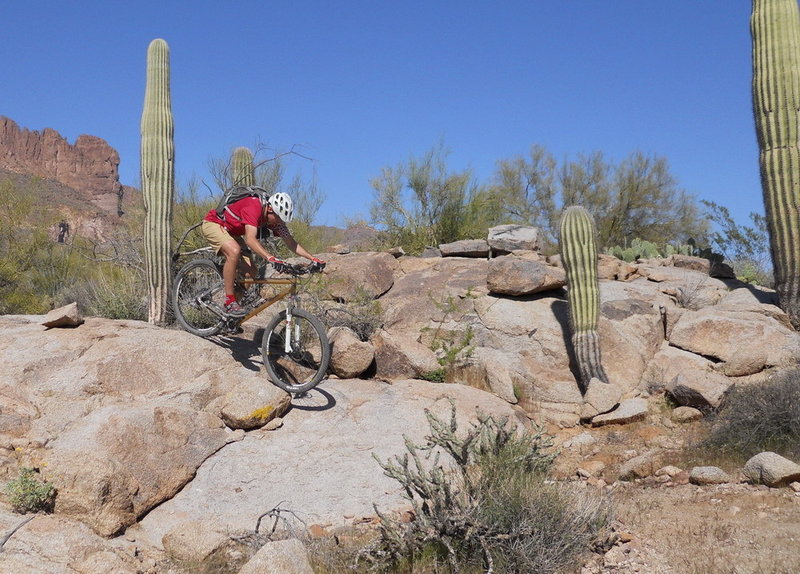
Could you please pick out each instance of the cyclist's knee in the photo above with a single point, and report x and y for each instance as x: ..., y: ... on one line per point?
x: 231, y: 250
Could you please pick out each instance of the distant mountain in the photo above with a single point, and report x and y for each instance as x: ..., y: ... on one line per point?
x: 79, y: 182
x: 89, y: 166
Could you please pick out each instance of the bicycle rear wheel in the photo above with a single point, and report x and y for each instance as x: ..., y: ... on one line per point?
x: 197, y: 298
x: 299, y: 364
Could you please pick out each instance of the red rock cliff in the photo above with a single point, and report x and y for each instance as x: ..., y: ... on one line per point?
x: 90, y: 166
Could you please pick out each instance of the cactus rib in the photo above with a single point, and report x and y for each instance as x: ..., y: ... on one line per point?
x: 157, y: 178
x: 775, y: 30
x: 579, y: 256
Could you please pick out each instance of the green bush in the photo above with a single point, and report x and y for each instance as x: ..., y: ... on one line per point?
x: 450, y: 346
x: 435, y: 376
x: 27, y: 493
x: 756, y: 418
x: 481, y: 502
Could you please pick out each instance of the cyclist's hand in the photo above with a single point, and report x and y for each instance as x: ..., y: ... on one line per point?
x: 317, y: 265
x: 280, y: 266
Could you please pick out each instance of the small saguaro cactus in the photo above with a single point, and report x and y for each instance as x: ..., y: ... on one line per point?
x: 157, y: 178
x: 242, y: 170
x: 578, y: 240
x: 775, y: 31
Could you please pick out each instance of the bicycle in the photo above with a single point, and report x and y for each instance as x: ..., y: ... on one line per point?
x: 295, y: 345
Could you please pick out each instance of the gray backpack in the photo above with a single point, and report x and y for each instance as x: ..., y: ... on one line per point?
x: 236, y: 193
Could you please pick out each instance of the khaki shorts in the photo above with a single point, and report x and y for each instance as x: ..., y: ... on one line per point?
x: 216, y: 235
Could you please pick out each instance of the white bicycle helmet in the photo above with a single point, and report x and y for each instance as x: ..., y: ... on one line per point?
x: 282, y: 205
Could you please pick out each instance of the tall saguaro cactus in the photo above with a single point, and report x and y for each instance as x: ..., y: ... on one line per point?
x: 242, y: 169
x: 157, y: 178
x: 775, y: 31
x: 578, y: 239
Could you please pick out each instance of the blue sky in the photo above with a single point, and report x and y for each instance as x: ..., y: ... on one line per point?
x: 358, y: 85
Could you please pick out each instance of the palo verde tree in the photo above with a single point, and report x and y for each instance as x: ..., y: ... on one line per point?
x: 637, y: 198
x: 157, y: 178
x: 421, y: 203
x: 775, y: 30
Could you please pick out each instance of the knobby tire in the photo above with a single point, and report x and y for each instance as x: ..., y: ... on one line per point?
x: 304, y: 367
x: 196, y: 278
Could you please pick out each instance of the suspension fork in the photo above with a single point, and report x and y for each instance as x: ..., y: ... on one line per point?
x: 292, y: 328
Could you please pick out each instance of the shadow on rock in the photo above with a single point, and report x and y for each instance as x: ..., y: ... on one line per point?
x: 767, y: 297
x: 316, y: 399
x: 245, y: 351
x: 561, y: 313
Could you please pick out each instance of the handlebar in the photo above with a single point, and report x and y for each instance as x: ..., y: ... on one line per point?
x: 295, y: 270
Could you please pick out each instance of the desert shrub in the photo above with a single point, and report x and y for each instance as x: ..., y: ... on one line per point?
x: 481, y: 502
x: 435, y: 376
x: 362, y: 314
x: 451, y: 346
x: 34, y: 271
x: 642, y: 249
x: 310, y: 237
x: 693, y: 295
x: 744, y: 247
x: 113, y: 293
x: 363, y: 319
x: 757, y: 418
x: 28, y: 493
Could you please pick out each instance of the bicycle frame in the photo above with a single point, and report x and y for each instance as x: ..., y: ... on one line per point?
x: 290, y: 292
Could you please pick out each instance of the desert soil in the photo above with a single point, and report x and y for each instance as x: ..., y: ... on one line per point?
x: 672, y: 527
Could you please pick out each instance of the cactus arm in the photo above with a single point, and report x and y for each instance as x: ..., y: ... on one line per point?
x: 775, y: 31
x: 578, y: 239
x: 157, y: 178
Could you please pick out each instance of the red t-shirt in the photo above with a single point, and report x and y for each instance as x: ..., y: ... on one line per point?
x: 246, y: 211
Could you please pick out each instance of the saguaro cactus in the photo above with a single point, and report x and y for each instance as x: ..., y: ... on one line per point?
x: 157, y: 178
x: 775, y: 30
x: 578, y: 239
x: 242, y: 170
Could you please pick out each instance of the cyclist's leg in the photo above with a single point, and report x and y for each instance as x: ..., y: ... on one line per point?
x: 227, y: 246
x: 246, y: 267
x: 230, y: 250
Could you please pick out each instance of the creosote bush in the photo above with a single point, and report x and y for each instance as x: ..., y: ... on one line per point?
x: 28, y: 493
x: 758, y: 418
x: 481, y: 502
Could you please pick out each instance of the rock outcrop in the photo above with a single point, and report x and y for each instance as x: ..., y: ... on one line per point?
x: 89, y: 166
x: 665, y: 326
x: 164, y: 444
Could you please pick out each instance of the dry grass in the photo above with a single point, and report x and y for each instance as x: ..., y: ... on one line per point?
x: 758, y: 418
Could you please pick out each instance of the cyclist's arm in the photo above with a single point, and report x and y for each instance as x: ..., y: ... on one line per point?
x: 251, y: 240
x: 293, y: 245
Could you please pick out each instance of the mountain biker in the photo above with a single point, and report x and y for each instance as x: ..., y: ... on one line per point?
x: 237, y: 230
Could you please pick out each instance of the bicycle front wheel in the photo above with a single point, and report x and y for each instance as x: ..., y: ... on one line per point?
x: 197, y: 298
x: 296, y: 351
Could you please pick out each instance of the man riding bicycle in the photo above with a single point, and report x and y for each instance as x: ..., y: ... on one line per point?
x: 236, y: 230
